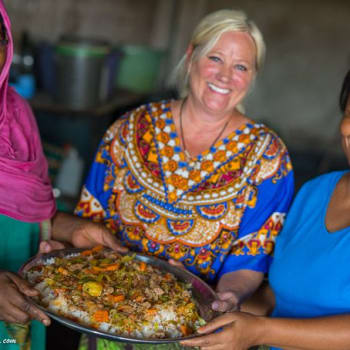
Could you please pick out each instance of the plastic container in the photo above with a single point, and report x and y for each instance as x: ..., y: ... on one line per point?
x: 69, y: 177
x: 139, y: 68
x: 81, y: 73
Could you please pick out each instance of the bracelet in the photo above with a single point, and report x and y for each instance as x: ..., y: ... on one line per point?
x: 45, y: 230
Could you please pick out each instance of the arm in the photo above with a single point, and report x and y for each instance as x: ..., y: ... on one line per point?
x: 81, y: 233
x: 244, y: 268
x: 242, y: 331
x: 14, y: 306
x: 261, y: 303
x: 234, y: 287
x: 83, y: 230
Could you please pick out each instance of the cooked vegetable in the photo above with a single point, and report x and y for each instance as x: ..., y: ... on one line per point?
x: 118, y: 294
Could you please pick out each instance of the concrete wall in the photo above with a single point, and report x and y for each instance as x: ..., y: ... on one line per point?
x: 307, y: 56
x: 120, y: 21
x: 307, y: 51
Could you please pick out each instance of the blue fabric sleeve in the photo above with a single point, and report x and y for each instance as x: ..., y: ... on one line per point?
x: 260, y: 225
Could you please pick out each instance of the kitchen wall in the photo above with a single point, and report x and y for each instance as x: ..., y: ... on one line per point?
x: 307, y: 51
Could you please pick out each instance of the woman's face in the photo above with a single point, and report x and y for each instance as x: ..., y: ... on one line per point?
x: 345, y: 131
x: 221, y: 79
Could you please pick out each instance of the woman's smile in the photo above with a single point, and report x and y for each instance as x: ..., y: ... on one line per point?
x: 218, y: 89
x: 221, y: 79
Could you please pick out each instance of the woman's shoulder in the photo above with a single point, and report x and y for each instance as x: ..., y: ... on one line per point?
x: 322, y: 181
x: 267, y: 141
x: 137, y: 116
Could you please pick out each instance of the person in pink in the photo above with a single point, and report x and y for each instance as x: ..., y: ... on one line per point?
x: 26, y: 205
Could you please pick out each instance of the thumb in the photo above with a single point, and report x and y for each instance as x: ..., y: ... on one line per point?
x: 49, y: 246
x: 224, y: 295
x: 216, y: 323
x: 176, y: 263
x: 23, y: 286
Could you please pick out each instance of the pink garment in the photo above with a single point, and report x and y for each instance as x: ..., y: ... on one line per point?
x: 25, y: 189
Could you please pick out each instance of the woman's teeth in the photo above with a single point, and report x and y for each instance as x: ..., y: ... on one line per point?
x: 217, y: 89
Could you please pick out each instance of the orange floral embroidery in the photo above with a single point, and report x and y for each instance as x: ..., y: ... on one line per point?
x: 163, y: 137
x: 167, y: 151
x: 172, y: 196
x: 232, y: 146
x: 160, y: 123
x: 220, y: 156
x: 195, y: 175
x: 179, y: 182
x: 208, y: 166
x: 171, y: 165
x: 244, y: 138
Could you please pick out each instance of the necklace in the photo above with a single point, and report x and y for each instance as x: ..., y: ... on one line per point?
x: 186, y: 152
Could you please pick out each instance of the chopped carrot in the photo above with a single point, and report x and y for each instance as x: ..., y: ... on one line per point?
x: 116, y: 298
x: 63, y: 271
x: 101, y: 316
x: 184, y: 329
x: 112, y: 267
x: 143, y: 266
x: 151, y: 311
x: 167, y: 276
x: 90, y: 271
x: 139, y: 298
x: 97, y: 248
x: 98, y: 269
x: 86, y: 252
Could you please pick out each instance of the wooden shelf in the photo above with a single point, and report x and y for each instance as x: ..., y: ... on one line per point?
x: 120, y: 99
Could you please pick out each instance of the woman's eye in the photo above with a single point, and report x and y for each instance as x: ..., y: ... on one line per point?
x: 241, y: 67
x: 215, y: 58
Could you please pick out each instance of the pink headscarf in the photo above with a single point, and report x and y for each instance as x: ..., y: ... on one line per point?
x: 25, y: 189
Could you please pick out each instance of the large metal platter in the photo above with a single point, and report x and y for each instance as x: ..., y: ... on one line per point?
x: 202, y: 293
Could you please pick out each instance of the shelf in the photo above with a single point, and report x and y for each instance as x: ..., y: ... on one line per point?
x: 120, y: 99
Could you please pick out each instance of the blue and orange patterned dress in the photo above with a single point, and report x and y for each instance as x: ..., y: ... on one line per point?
x: 217, y: 213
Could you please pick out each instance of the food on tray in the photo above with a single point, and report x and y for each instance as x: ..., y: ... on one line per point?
x: 116, y: 294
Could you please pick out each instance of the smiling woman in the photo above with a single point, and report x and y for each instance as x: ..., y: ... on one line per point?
x: 194, y: 180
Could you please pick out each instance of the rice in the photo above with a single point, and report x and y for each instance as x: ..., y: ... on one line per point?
x: 116, y: 294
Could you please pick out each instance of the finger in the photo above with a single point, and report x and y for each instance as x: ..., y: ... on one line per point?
x: 110, y: 241
x: 49, y: 246
x: 37, y: 314
x: 217, y: 323
x: 22, y: 285
x: 222, y: 306
x: 7, y: 318
x: 176, y: 263
x: 225, y: 295
x: 201, y: 341
x: 214, y: 347
x: 19, y: 315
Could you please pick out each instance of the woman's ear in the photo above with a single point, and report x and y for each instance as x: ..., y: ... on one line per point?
x: 189, y: 53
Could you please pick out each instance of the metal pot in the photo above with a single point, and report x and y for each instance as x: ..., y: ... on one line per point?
x: 82, y: 72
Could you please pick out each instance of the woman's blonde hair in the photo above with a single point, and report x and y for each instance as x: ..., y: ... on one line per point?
x: 207, y: 33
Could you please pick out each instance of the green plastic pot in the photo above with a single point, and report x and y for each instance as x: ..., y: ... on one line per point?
x: 139, y: 68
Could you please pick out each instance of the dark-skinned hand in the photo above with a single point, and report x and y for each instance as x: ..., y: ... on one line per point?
x: 14, y: 304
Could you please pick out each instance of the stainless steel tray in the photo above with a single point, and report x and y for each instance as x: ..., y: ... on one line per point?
x: 202, y: 293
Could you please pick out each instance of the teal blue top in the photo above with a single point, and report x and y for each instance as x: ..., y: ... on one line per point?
x: 310, y: 271
x: 18, y: 242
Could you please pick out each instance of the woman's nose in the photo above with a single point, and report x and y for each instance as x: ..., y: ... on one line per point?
x: 225, y: 74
